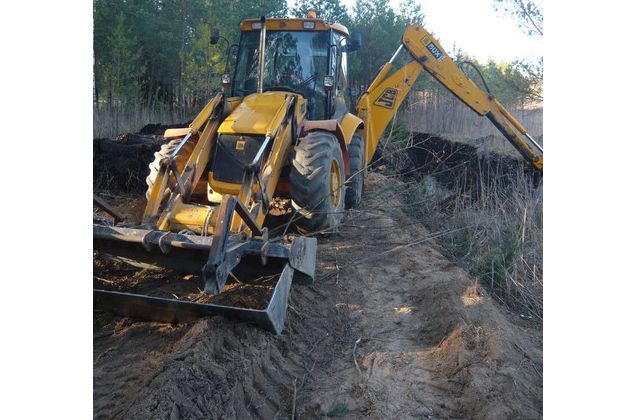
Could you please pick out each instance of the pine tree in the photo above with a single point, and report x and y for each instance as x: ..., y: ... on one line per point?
x: 331, y: 11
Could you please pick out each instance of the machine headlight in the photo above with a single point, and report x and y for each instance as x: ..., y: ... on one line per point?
x: 226, y: 80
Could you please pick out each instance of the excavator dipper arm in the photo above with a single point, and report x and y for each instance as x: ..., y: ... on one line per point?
x: 425, y: 49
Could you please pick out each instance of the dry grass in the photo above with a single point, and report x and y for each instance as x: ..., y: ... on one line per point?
x: 498, y: 234
x: 491, y: 205
x: 449, y: 117
x: 110, y: 122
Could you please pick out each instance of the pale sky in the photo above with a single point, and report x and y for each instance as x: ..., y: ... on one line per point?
x: 476, y: 28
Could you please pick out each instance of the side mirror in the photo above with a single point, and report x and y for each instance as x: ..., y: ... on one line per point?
x: 214, y: 36
x: 354, y: 42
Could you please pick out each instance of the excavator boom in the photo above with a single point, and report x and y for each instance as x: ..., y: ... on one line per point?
x: 385, y: 94
x: 425, y: 49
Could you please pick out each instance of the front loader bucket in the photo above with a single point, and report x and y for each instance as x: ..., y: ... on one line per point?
x: 293, y: 257
x: 176, y: 311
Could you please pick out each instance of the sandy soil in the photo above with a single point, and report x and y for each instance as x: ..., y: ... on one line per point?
x: 390, y: 330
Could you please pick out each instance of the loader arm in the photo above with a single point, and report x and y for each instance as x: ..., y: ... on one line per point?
x: 380, y: 102
x: 186, y: 181
x: 218, y: 239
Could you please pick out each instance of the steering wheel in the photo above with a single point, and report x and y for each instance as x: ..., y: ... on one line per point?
x: 287, y: 76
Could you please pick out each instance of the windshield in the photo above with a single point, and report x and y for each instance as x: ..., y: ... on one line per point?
x: 294, y: 61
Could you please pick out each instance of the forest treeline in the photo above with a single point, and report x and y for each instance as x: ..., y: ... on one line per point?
x: 157, y: 53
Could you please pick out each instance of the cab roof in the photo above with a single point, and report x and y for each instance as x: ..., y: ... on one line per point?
x: 277, y: 24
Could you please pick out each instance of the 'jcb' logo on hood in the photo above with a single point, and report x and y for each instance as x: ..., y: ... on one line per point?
x: 387, y: 98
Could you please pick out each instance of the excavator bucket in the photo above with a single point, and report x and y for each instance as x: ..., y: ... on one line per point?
x: 284, y: 260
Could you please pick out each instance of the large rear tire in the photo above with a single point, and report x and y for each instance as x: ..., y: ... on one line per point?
x: 317, y: 183
x: 354, y: 185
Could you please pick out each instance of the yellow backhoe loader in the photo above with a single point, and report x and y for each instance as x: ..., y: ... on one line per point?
x: 280, y: 127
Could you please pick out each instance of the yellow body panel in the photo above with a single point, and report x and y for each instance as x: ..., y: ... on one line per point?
x: 349, y: 124
x: 176, y: 132
x: 200, y: 219
x: 223, y: 187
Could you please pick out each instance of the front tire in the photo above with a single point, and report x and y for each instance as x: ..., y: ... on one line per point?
x: 165, y: 151
x: 317, y: 183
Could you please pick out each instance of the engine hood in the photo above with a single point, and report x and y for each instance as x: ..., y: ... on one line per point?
x: 255, y: 113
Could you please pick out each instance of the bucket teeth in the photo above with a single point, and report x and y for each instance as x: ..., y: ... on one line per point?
x: 214, y: 277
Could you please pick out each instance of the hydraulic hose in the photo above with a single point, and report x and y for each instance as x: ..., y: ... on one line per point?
x: 461, y: 65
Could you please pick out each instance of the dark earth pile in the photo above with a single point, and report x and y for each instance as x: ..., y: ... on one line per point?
x: 456, y: 166
x: 121, y: 165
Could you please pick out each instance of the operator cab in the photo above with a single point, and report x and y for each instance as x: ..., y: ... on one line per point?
x: 303, y: 56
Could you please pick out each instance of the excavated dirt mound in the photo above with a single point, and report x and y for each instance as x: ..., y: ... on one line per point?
x: 456, y: 166
x: 390, y: 330
x: 122, y: 164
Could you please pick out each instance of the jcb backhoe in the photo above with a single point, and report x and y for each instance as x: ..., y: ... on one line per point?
x: 280, y: 127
